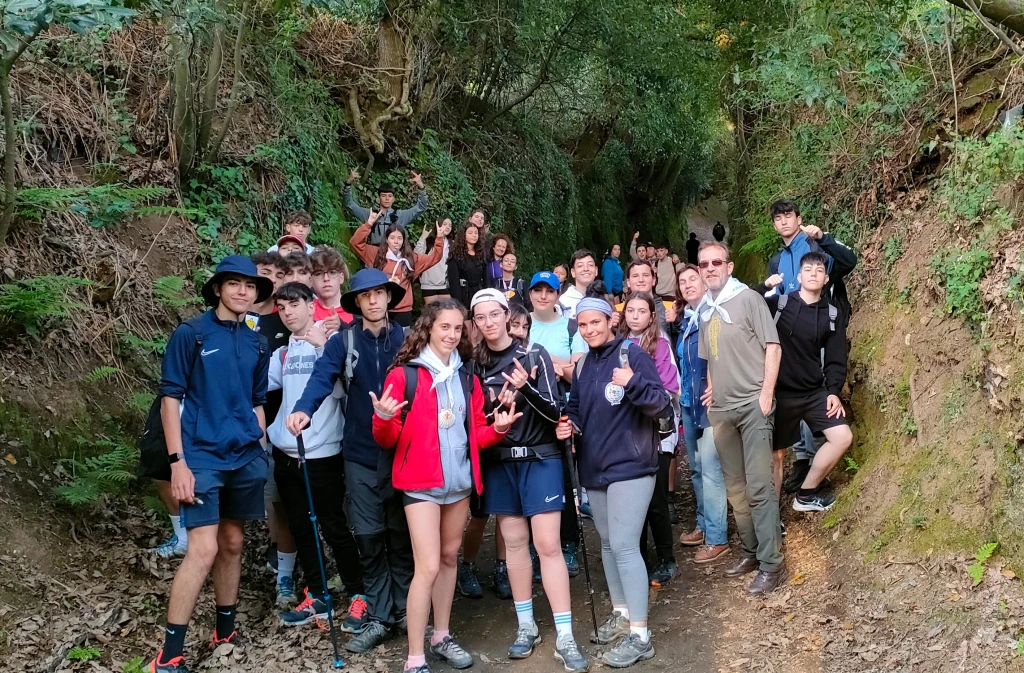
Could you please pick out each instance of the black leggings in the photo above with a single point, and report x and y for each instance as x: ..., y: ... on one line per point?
x: 658, y: 518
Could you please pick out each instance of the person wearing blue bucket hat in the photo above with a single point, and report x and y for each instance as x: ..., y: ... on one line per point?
x: 359, y: 357
x: 213, y: 387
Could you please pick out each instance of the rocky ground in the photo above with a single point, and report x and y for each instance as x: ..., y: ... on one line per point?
x: 91, y: 585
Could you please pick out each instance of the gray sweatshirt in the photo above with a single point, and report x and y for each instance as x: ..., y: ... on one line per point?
x: 391, y: 216
x: 436, y: 277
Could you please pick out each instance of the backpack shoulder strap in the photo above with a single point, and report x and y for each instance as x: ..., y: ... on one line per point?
x: 783, y: 300
x: 579, y: 363
x: 411, y: 379
x: 833, y: 314
x: 351, y: 357
x: 574, y: 327
x: 624, y: 353
x: 197, y: 328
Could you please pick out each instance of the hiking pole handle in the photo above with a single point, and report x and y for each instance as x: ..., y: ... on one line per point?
x: 300, y: 447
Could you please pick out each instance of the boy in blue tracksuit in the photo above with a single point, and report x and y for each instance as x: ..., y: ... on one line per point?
x: 375, y: 507
x: 214, y: 385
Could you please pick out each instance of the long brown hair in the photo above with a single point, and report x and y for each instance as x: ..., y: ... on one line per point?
x: 381, y: 260
x: 680, y: 302
x: 649, y: 339
x: 419, y: 334
x: 459, y: 247
x: 509, y: 246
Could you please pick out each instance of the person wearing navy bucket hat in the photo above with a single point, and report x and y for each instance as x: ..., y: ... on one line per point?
x: 213, y: 386
x: 358, y: 357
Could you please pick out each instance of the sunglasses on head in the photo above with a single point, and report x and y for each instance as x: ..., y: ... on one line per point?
x: 711, y: 262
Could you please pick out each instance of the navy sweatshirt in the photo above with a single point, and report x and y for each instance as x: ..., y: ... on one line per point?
x: 804, y: 331
x: 619, y: 439
x: 219, y: 429
x: 376, y: 353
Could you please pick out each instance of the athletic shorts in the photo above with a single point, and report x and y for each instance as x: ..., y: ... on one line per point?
x: 523, y: 487
x: 789, y: 411
x: 227, y: 494
x: 434, y: 293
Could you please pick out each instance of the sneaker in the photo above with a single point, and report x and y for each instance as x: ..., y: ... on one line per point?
x: 502, y: 587
x: 402, y: 623
x: 694, y: 538
x: 373, y: 635
x: 613, y: 628
x: 585, y: 511
x: 216, y: 642
x: 311, y: 609
x: 629, y: 651
x: 710, y: 553
x: 572, y: 562
x: 173, y: 548
x: 419, y: 669
x: 175, y: 665
x: 357, y: 618
x: 782, y: 524
x: 765, y: 582
x: 673, y: 518
x: 819, y: 501
x: 468, y: 583
x: 797, y: 473
x: 272, y: 558
x: 452, y: 652
x: 664, y: 573
x: 526, y: 639
x: 286, y: 592
x: 568, y: 652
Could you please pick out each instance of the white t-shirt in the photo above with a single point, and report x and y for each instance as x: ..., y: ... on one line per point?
x: 568, y: 301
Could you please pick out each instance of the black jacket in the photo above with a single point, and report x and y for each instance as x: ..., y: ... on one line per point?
x: 804, y: 330
x: 517, y: 286
x: 466, y: 277
x: 619, y: 432
x: 538, y: 399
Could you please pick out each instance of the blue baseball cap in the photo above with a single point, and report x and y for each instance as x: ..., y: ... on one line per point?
x: 545, y: 278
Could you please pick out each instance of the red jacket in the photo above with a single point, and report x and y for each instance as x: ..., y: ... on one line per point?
x: 417, y: 464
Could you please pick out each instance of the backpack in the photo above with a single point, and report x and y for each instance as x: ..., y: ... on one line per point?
x: 348, y: 371
x: 833, y: 312
x: 623, y: 356
x: 412, y: 379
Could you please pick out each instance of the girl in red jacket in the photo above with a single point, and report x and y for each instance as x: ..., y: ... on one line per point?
x: 437, y: 436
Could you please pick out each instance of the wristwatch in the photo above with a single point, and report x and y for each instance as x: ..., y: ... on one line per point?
x: 172, y: 458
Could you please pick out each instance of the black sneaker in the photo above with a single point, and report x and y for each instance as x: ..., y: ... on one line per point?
x: 819, y: 501
x: 572, y: 561
x: 502, y: 587
x: 797, y: 473
x: 310, y: 610
x: 373, y: 635
x: 664, y: 573
x: 468, y: 583
x: 358, y: 617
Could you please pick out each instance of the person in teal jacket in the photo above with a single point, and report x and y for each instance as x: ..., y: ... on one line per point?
x: 611, y: 271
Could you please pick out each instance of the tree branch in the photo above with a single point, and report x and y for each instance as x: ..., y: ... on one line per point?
x: 995, y: 30
x: 235, y: 83
x: 1009, y: 13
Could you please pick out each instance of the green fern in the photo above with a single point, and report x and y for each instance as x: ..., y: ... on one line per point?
x: 101, y: 373
x: 40, y: 300
x: 109, y: 473
x: 169, y: 290
x: 135, y: 665
x: 157, y: 344
x: 976, y: 571
x: 84, y: 653
x: 141, y: 401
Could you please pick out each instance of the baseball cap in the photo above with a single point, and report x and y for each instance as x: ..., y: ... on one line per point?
x: 291, y: 238
x: 488, y: 294
x: 545, y: 278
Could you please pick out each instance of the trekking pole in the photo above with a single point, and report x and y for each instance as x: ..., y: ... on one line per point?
x: 576, y: 494
x: 301, y: 446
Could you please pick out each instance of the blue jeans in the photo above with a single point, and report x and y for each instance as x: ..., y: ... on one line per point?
x: 807, y: 447
x: 708, y: 482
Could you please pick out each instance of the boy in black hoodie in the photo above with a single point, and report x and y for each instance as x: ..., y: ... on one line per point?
x: 808, y: 325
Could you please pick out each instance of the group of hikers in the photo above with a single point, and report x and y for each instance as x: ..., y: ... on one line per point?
x: 293, y: 394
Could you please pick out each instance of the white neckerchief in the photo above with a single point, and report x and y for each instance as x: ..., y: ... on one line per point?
x: 399, y: 261
x: 441, y: 371
x: 731, y: 289
x: 692, y: 316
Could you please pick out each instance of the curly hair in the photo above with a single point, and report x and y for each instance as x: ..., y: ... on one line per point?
x: 651, y: 335
x: 381, y: 260
x: 509, y: 246
x: 459, y: 249
x: 419, y: 334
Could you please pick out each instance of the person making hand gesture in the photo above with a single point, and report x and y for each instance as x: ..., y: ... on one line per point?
x: 386, y: 200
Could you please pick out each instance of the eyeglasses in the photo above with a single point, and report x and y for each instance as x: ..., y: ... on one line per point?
x: 329, y: 274
x: 705, y: 263
x: 493, y: 316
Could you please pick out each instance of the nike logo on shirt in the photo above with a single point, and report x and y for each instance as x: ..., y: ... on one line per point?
x: 205, y: 353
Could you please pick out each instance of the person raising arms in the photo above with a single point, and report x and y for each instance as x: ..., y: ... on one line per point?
x: 523, y: 481
x: 431, y: 413
x: 387, y: 215
x: 396, y: 259
x: 617, y: 398
x: 434, y: 281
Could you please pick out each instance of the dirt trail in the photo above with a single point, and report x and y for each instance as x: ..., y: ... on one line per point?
x: 93, y: 585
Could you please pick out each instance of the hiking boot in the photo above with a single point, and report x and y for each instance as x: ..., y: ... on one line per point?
x: 742, y: 566
x: 357, y: 618
x: 572, y: 562
x: 692, y: 539
x: 452, y: 652
x: 710, y: 553
x: 819, y: 501
x: 664, y: 573
x: 468, y: 583
x: 272, y: 558
x: 797, y: 473
x: 766, y: 582
x: 502, y: 587
x: 568, y: 652
x: 216, y: 641
x: 526, y: 639
x: 629, y: 651
x: 286, y: 592
x: 311, y: 609
x: 612, y: 628
x: 173, y: 548
x: 373, y: 635
x: 175, y: 665
x: 673, y: 518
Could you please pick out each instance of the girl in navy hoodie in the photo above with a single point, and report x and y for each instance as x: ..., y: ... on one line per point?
x: 615, y: 404
x: 437, y: 442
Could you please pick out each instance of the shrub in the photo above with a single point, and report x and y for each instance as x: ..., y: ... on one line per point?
x: 39, y: 301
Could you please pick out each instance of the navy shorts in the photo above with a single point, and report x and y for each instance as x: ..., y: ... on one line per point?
x: 227, y: 494
x: 524, y: 487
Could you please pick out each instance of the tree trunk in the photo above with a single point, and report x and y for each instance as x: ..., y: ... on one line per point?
x: 10, y: 147
x: 210, y: 88
x: 235, y: 84
x: 182, y: 116
x: 1009, y: 13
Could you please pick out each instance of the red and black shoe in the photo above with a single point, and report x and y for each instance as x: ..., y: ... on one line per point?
x: 216, y: 642
x: 175, y: 665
